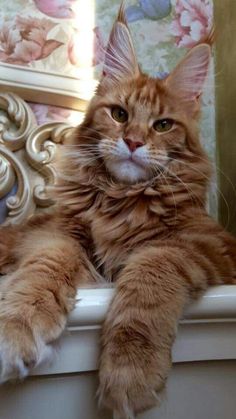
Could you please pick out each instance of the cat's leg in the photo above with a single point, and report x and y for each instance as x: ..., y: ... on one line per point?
x: 12, y: 238
x: 141, y: 324
x: 35, y: 300
x: 8, y: 238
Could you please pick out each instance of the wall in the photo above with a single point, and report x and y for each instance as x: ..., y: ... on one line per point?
x: 225, y: 17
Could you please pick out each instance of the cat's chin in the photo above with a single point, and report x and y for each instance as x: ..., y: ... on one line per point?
x: 127, y: 171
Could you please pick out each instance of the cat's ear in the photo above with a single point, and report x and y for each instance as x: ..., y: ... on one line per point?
x: 120, y: 60
x: 187, y: 79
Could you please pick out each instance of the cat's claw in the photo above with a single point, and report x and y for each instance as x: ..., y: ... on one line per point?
x: 18, y: 358
x: 12, y: 369
x: 116, y: 415
x: 123, y: 391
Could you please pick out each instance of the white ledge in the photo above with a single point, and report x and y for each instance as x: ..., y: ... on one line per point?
x: 217, y: 304
x: 207, y: 331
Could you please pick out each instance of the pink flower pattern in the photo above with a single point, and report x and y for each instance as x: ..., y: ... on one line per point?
x: 24, y: 39
x: 48, y: 113
x: 61, y: 9
x: 192, y: 22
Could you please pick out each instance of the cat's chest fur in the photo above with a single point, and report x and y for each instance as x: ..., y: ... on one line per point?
x: 118, y: 226
x: 111, y: 222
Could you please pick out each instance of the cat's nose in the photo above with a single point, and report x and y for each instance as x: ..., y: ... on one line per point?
x: 132, y: 144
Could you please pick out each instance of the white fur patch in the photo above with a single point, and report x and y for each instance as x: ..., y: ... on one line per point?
x: 12, y: 365
x: 126, y: 166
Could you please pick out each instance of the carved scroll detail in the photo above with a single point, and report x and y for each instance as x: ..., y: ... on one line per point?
x: 27, y: 153
x: 7, y: 176
x: 17, y: 122
x: 41, y: 149
x: 21, y: 204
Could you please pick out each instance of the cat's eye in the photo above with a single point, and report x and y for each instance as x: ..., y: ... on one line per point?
x: 163, y: 125
x: 119, y: 114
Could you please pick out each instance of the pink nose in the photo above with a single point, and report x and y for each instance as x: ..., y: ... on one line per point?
x: 133, y: 145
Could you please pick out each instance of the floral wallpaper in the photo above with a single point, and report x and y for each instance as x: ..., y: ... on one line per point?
x: 69, y: 36
x: 48, y: 34
x: 49, y: 113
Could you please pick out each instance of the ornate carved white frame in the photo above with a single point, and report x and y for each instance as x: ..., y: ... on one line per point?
x: 27, y: 152
x: 49, y: 88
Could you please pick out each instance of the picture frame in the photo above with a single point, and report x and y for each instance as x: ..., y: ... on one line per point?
x: 49, y: 88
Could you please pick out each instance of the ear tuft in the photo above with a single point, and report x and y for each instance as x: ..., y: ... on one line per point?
x: 187, y: 79
x: 121, y: 14
x: 120, y: 60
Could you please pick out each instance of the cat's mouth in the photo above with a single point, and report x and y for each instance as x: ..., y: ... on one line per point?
x: 136, y: 161
x: 145, y: 164
x: 128, y: 169
x: 130, y: 166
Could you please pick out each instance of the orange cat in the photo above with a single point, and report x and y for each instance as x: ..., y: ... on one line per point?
x: 130, y: 208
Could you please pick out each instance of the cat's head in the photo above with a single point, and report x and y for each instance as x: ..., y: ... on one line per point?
x: 138, y: 126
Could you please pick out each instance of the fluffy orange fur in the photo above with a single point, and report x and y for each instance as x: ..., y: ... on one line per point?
x: 132, y: 216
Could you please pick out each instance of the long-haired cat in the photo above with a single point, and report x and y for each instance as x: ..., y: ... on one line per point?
x: 131, y: 195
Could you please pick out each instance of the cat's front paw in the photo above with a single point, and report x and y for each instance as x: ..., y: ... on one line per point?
x: 128, y: 389
x: 20, y: 350
x: 132, y: 373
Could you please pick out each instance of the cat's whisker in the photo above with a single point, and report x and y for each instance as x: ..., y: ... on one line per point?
x: 217, y: 188
x: 195, y: 200
x: 191, y: 193
x: 208, y: 179
x: 89, y: 147
x: 79, y: 154
x: 108, y: 145
x: 217, y: 168
x: 79, y: 157
x: 101, y: 133
x: 110, y: 152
